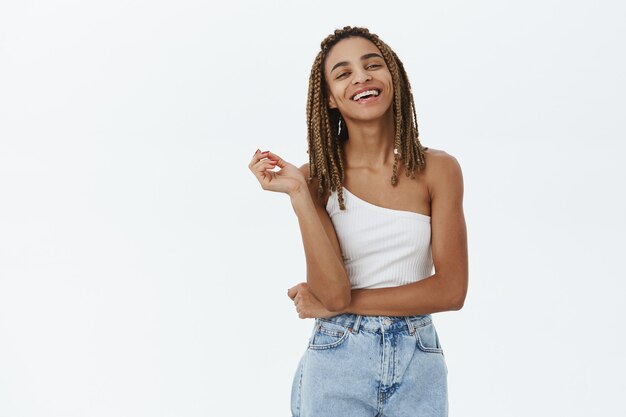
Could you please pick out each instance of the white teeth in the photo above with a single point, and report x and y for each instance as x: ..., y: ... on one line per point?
x: 365, y: 93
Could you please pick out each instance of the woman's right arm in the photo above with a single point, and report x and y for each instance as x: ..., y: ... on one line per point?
x: 327, y: 279
x: 326, y: 275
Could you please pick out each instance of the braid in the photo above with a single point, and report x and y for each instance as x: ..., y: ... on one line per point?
x: 326, y: 151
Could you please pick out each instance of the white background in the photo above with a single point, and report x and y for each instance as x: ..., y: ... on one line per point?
x: 143, y: 271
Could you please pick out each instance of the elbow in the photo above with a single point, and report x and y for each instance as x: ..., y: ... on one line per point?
x: 338, y: 304
x: 456, y: 290
x: 457, y: 305
x: 457, y: 301
x: 341, y: 297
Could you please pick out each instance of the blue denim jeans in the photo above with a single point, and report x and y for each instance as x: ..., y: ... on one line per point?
x: 371, y: 366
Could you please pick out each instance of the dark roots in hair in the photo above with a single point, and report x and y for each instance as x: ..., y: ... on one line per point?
x: 326, y: 150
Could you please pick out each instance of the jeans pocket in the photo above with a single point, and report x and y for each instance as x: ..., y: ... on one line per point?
x: 327, y: 335
x: 427, y: 338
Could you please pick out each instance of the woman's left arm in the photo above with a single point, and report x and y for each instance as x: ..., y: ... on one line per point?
x: 446, y: 289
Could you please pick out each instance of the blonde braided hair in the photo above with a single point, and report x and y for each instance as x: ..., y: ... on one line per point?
x: 325, y: 143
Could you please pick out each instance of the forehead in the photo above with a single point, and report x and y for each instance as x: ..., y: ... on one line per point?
x: 350, y: 50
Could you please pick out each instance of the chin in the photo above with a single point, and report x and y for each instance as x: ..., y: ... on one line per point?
x: 372, y: 113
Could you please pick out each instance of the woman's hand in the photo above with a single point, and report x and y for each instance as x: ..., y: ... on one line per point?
x: 307, y: 305
x: 287, y: 180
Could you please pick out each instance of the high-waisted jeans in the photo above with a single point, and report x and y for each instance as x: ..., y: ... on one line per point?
x: 371, y: 366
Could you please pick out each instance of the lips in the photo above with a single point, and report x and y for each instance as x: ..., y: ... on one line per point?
x: 378, y: 90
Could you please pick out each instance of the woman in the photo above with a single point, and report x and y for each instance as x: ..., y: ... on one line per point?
x: 371, y: 242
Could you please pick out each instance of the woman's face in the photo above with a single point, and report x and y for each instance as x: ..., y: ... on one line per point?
x: 354, y: 65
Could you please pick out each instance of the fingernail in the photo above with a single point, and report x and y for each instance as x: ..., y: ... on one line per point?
x: 257, y: 151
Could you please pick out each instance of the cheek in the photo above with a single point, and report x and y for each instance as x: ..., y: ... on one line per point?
x: 390, y: 90
x: 338, y: 96
x: 337, y: 91
x: 391, y: 93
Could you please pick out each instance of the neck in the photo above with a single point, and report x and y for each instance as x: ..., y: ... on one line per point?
x: 371, y: 142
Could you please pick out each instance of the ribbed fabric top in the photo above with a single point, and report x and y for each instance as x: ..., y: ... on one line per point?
x: 381, y: 247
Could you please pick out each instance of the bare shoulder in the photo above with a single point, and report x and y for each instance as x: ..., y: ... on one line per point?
x: 442, y: 170
x: 313, y: 184
x: 439, y: 159
x: 305, y: 170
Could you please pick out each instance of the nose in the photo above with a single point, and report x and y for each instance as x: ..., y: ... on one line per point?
x: 361, y: 76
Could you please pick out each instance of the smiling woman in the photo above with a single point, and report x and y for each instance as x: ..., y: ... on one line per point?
x: 371, y: 241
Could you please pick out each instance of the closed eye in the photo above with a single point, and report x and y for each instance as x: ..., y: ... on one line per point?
x: 368, y: 67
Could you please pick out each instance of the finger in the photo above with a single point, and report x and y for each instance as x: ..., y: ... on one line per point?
x: 292, y: 292
x: 257, y: 157
x: 261, y: 169
x: 263, y: 165
x: 255, y: 162
x: 279, y: 161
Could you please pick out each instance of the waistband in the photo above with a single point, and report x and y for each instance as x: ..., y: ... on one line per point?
x: 378, y: 324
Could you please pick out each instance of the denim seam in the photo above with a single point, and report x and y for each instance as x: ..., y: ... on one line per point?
x: 422, y: 323
x: 330, y: 345
x: 300, y: 387
x: 425, y: 321
x: 424, y: 348
x: 380, y: 394
x: 330, y: 332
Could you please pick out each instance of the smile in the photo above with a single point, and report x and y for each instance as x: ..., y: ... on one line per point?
x: 367, y: 95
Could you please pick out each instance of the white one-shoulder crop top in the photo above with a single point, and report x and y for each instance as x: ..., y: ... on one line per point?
x: 381, y: 247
